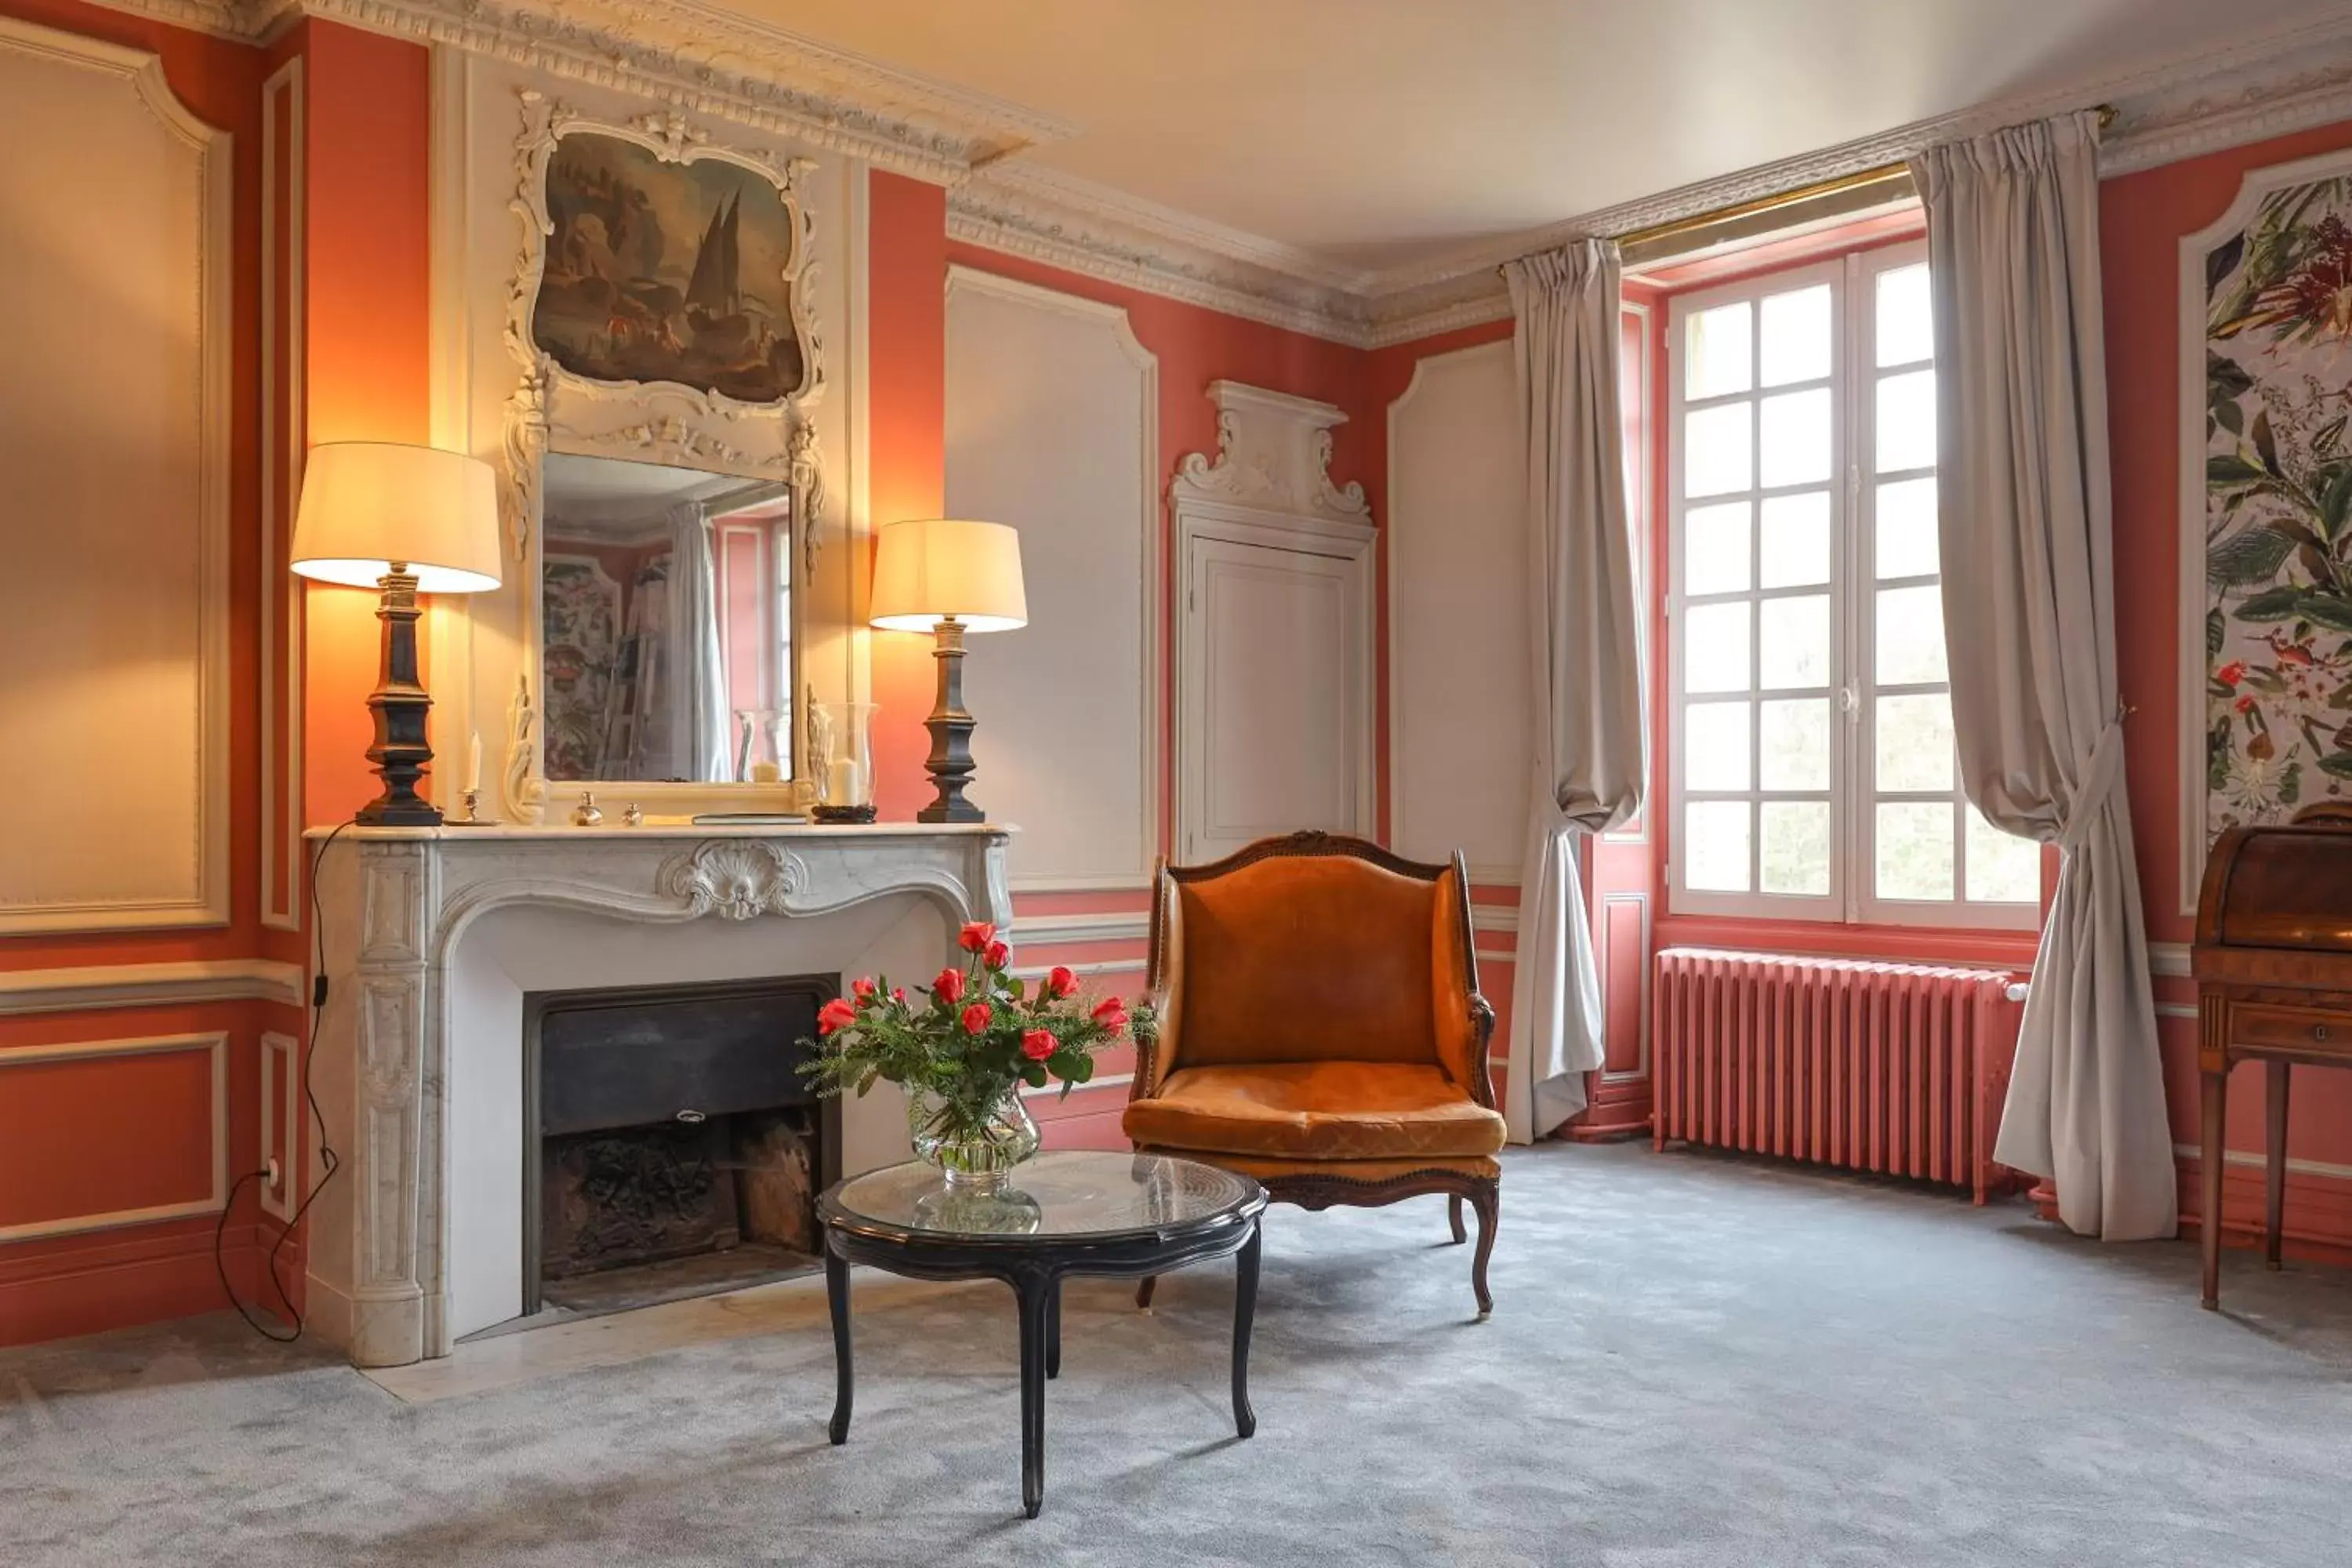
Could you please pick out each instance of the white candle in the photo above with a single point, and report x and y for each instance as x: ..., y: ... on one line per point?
x: 474, y: 760
x: 845, y: 783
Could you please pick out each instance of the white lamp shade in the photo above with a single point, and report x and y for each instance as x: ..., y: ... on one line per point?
x: 367, y: 504
x: 930, y: 571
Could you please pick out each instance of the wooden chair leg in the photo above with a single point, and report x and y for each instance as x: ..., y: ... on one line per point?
x: 1486, y: 1199
x: 1143, y: 1292
x: 1454, y: 1218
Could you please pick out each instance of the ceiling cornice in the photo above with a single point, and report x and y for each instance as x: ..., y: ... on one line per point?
x: 695, y: 56
x: 690, y: 56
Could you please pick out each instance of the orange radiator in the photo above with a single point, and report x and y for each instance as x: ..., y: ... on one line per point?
x: 1890, y: 1067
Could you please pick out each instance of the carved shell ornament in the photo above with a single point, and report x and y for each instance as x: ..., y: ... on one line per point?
x: 737, y: 880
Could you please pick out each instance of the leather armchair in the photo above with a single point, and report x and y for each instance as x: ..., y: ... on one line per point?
x: 1321, y: 1030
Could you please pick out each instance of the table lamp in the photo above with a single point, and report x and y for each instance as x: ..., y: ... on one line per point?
x: 405, y: 521
x: 948, y: 578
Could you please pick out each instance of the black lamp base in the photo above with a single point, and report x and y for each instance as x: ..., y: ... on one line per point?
x: 400, y: 706
x: 949, y: 764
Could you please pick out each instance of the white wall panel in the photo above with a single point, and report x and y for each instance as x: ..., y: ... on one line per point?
x: 1052, y: 411
x: 114, y: 444
x: 1458, y: 657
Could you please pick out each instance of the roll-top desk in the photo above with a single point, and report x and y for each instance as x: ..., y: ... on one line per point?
x: 2274, y: 968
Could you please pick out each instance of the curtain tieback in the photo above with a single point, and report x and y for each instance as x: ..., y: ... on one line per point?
x: 2099, y: 780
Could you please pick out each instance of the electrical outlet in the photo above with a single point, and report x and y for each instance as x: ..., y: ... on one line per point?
x: 274, y: 1175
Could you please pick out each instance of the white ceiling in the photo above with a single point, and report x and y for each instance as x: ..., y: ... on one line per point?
x: 1373, y: 133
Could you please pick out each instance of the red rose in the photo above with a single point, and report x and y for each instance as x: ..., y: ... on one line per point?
x: 949, y: 987
x: 2231, y: 673
x: 975, y: 936
x: 1038, y: 1044
x: 1062, y: 982
x: 897, y: 994
x: 862, y: 989
x: 1111, y: 1014
x: 996, y: 954
x: 834, y: 1014
x: 2245, y: 704
x: 975, y: 1018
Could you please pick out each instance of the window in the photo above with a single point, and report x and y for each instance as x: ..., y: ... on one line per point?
x: 1813, y: 774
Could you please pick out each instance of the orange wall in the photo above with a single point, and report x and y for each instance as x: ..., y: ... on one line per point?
x: 101, y: 1133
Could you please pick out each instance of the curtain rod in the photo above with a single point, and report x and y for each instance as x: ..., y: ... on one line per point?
x: 1888, y: 174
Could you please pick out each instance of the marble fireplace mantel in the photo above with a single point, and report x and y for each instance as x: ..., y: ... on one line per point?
x: 403, y: 1027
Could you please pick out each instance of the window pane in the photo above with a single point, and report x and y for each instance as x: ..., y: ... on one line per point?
x: 1910, y: 635
x: 1906, y: 328
x: 1906, y: 421
x: 1797, y: 336
x: 1796, y: 547
x: 1715, y: 746
x: 1715, y: 454
x: 1795, y: 736
x: 1795, y: 437
x: 2002, y: 868
x: 1715, y: 548
x: 1914, y: 850
x: 1796, y: 642
x: 1796, y: 846
x: 1715, y: 845
x: 1907, y: 529
x: 1714, y: 648
x: 1915, y: 742
x: 1718, y: 352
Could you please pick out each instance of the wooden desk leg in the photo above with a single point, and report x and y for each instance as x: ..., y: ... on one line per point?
x: 2209, y: 1224
x: 2274, y: 1166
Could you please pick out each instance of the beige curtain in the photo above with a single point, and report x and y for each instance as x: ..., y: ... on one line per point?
x: 2029, y: 618
x: 1589, y: 742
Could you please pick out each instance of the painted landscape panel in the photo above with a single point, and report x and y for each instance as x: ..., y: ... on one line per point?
x: 659, y: 271
x: 2278, y: 508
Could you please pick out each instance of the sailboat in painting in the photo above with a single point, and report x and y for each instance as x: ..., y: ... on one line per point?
x: 615, y: 304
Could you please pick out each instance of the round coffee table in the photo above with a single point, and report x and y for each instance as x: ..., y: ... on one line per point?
x: 1067, y: 1213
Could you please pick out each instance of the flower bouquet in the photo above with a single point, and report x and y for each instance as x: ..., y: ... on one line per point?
x: 963, y: 1048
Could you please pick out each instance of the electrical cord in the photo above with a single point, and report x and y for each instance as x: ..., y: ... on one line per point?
x: 328, y: 1160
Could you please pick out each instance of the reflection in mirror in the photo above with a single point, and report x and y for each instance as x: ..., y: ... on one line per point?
x: 666, y: 624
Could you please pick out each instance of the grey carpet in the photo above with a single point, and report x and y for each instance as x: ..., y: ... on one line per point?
x: 1695, y: 1360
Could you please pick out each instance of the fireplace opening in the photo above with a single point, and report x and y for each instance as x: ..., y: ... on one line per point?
x: 674, y: 1148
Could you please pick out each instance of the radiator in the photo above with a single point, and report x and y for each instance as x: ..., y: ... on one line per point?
x: 1895, y: 1069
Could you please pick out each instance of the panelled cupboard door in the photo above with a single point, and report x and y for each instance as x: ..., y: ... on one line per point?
x: 1273, y: 695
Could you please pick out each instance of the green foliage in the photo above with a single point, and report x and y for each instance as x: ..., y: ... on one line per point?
x: 926, y: 1042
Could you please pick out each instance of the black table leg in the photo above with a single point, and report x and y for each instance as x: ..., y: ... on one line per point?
x: 836, y: 1295
x: 1054, y: 1330
x: 1244, y: 1309
x: 1037, y: 1292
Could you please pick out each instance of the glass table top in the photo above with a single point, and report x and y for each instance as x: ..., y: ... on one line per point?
x: 1069, y: 1193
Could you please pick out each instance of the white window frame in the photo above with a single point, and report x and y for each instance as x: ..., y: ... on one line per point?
x: 1852, y: 897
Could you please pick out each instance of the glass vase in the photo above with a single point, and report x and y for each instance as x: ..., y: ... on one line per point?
x: 841, y: 759
x: 975, y: 1147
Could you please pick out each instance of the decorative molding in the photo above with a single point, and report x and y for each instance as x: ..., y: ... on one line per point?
x: 1151, y: 551
x: 282, y: 1120
x: 692, y: 57
x: 1274, y: 454
x: 1059, y: 931
x: 2169, y: 960
x: 2190, y: 1154
x: 210, y: 284
x: 551, y: 409
x: 735, y: 878
x: 93, y: 987
x: 214, y: 1044
x: 1640, y: 1072
x: 282, y: 593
